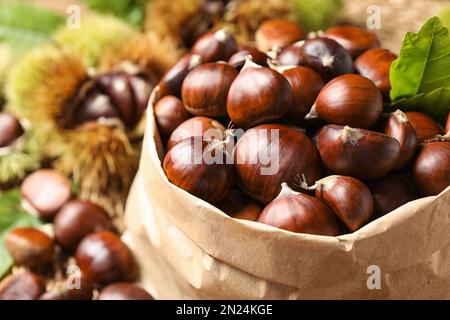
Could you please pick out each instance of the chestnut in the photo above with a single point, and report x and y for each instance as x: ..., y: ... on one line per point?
x: 277, y: 33
x: 10, y: 129
x: 348, y: 198
x: 397, y: 126
x: 390, y: 192
x: 269, y: 154
x: 76, y: 219
x: 297, y: 212
x: 237, y: 60
x: 124, y: 291
x: 196, y: 127
x: 46, y: 191
x: 306, y: 85
x: 172, y: 80
x: 424, y: 125
x: 205, y: 89
x: 60, y: 290
x: 239, y: 206
x: 258, y: 95
x: 447, y: 124
x: 291, y: 55
x: 103, y: 258
x: 327, y: 57
x: 170, y: 112
x: 186, y: 166
x: 217, y: 45
x: 375, y: 64
x: 358, y: 153
x: 22, y: 286
x: 30, y: 247
x: 431, y: 170
x: 354, y: 39
x: 350, y: 100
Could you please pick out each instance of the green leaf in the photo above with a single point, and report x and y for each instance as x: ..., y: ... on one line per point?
x: 316, y: 15
x: 131, y: 11
x: 23, y: 26
x: 12, y: 215
x: 424, y: 62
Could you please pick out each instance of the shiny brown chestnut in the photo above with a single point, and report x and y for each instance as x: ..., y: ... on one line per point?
x: 358, y: 153
x: 258, y: 95
x: 301, y: 213
x: 103, y: 258
x: 77, y: 219
x: 397, y: 126
x: 237, y: 60
x: 390, y: 192
x: 10, y: 129
x: 291, y: 55
x: 350, y: 100
x: 72, y: 288
x: 431, y: 170
x: 239, y: 206
x: 46, y: 191
x: 354, y: 39
x: 424, y: 125
x: 217, y: 45
x: 200, y: 167
x: 30, y: 247
x: 269, y: 154
x: 306, y: 85
x: 277, y: 33
x: 172, y: 80
x: 22, y: 286
x: 124, y: 291
x: 205, y: 89
x: 327, y: 57
x: 375, y: 64
x: 348, y: 198
x: 196, y: 127
x: 170, y: 112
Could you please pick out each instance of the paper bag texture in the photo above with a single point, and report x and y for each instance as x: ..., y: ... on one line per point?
x: 188, y: 249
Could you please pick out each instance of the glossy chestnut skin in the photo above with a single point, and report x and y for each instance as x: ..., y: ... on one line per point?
x: 358, y: 153
x: 77, y: 219
x: 239, y: 206
x: 277, y: 33
x: 103, y: 258
x: 258, y: 95
x: 292, y: 55
x: 61, y: 291
x: 185, y: 167
x: 301, y: 213
x: 205, y: 89
x: 348, y: 198
x: 397, y: 126
x: 390, y: 192
x: 288, y: 154
x: 327, y: 57
x: 215, y: 46
x: 124, y: 291
x: 424, y: 125
x: 170, y: 112
x: 375, y: 64
x: 431, y: 170
x: 354, y: 39
x: 30, y: 247
x: 46, y: 191
x: 23, y: 286
x: 237, y: 60
x: 10, y: 129
x: 306, y: 85
x: 350, y: 100
x: 196, y: 127
x: 172, y: 80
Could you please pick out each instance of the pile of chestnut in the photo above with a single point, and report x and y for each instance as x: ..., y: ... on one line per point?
x: 105, y: 267
x: 344, y: 158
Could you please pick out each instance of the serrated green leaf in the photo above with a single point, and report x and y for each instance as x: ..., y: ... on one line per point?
x: 131, y: 11
x: 12, y: 215
x: 316, y: 15
x: 424, y: 62
x: 23, y: 26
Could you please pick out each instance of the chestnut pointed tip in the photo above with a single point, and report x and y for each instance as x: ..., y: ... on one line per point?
x: 194, y: 61
x: 249, y: 63
x: 351, y: 135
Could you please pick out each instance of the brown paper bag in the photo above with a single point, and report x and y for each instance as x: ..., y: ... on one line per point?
x: 188, y: 249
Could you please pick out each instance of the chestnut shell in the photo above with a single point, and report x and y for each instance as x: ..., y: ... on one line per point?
x: 124, y: 291
x: 170, y: 112
x: 215, y: 46
x: 354, y: 39
x: 23, y: 286
x: 424, y: 125
x: 277, y: 33
x: 10, y: 129
x: 239, y: 206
